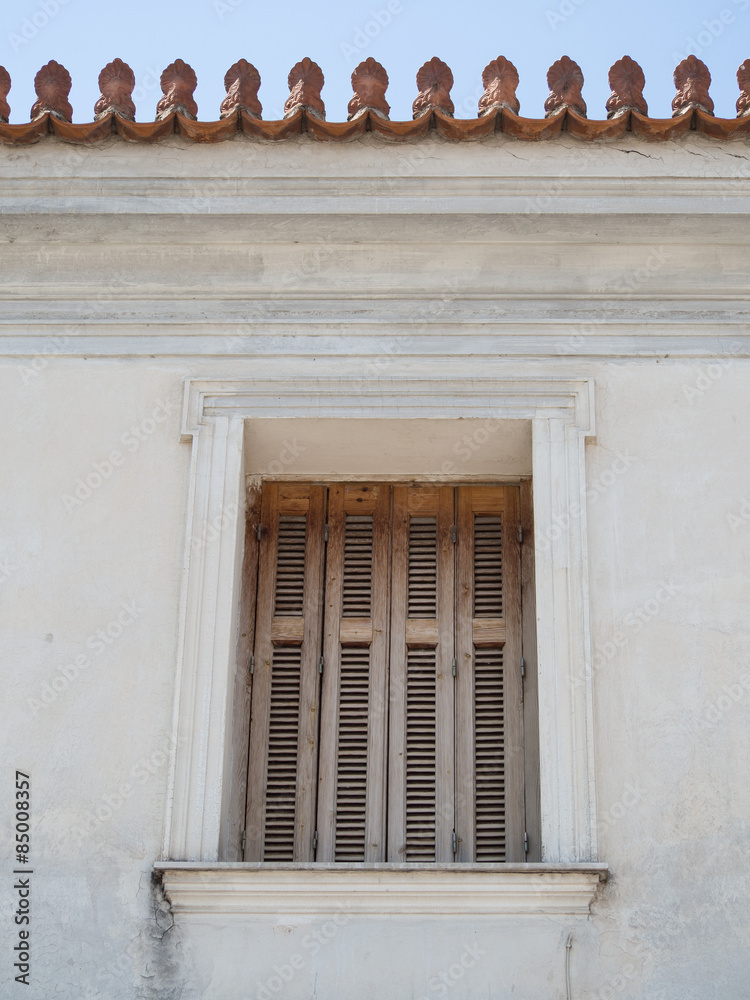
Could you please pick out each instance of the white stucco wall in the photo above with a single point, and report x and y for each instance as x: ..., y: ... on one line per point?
x: 125, y: 270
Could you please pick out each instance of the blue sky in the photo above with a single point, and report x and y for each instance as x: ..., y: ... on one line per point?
x: 212, y: 34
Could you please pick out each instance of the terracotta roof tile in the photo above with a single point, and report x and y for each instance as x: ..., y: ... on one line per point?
x: 305, y: 84
x: 178, y: 83
x: 242, y: 83
x: 116, y: 82
x: 692, y: 80
x: 304, y: 111
x: 565, y: 82
x: 369, y: 83
x: 434, y: 81
x: 627, y: 82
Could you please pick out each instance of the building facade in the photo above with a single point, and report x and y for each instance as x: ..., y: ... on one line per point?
x: 188, y: 323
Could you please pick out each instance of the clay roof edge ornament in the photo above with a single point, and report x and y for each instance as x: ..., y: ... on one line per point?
x: 626, y: 81
x: 52, y: 85
x: 4, y: 90
x: 434, y: 82
x: 743, y: 80
x: 178, y: 83
x: 369, y: 82
x: 692, y: 80
x: 242, y: 83
x: 116, y: 82
x: 305, y: 81
x: 565, y: 82
x: 500, y: 79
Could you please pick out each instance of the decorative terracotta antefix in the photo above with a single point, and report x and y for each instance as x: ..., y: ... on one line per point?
x: 305, y: 84
x: 4, y: 88
x: 565, y: 82
x: 743, y: 79
x: 434, y: 81
x: 692, y: 80
x: 52, y: 85
x: 370, y: 82
x: 116, y: 82
x: 178, y: 83
x: 242, y: 83
x: 500, y: 79
x: 626, y: 81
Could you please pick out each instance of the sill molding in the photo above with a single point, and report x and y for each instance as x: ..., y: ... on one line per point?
x: 313, y: 890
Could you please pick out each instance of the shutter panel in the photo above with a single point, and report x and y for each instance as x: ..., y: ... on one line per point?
x: 284, y: 717
x: 489, y: 747
x: 351, y: 783
x: 420, y: 789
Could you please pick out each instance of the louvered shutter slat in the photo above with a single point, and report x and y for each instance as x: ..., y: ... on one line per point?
x: 489, y: 733
x: 351, y: 781
x: 284, y: 708
x: 420, y: 794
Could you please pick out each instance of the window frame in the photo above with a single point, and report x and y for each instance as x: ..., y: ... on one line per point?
x: 198, y: 822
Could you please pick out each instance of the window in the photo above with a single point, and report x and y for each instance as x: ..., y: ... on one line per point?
x: 387, y: 692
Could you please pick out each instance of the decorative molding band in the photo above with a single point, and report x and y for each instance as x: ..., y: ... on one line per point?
x: 562, y: 414
x: 380, y: 890
x: 716, y: 194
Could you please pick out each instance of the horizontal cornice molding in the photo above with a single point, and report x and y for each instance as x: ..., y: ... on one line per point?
x: 420, y: 195
x: 380, y: 890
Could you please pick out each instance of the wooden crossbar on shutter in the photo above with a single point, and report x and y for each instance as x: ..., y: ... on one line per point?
x: 280, y: 821
x: 421, y: 727
x: 351, y: 782
x: 489, y: 724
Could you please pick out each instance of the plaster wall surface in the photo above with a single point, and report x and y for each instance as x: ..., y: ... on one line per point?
x: 111, y: 300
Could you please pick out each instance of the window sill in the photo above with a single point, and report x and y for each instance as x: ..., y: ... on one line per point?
x: 379, y: 889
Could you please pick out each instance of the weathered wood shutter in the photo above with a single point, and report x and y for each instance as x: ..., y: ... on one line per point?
x: 421, y: 755
x: 489, y: 722
x: 351, y: 782
x: 282, y: 772
x: 411, y: 645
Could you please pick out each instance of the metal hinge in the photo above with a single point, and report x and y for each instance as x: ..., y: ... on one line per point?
x: 325, y: 534
x: 244, y: 840
x: 252, y: 665
x: 453, y: 667
x: 454, y: 533
x: 520, y: 535
x: 315, y: 841
x: 525, y: 843
x: 321, y: 664
x: 523, y: 667
x: 258, y: 531
x: 455, y: 844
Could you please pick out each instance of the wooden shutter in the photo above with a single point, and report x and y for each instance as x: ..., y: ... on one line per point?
x: 489, y: 724
x: 351, y: 792
x: 282, y: 773
x: 420, y: 766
